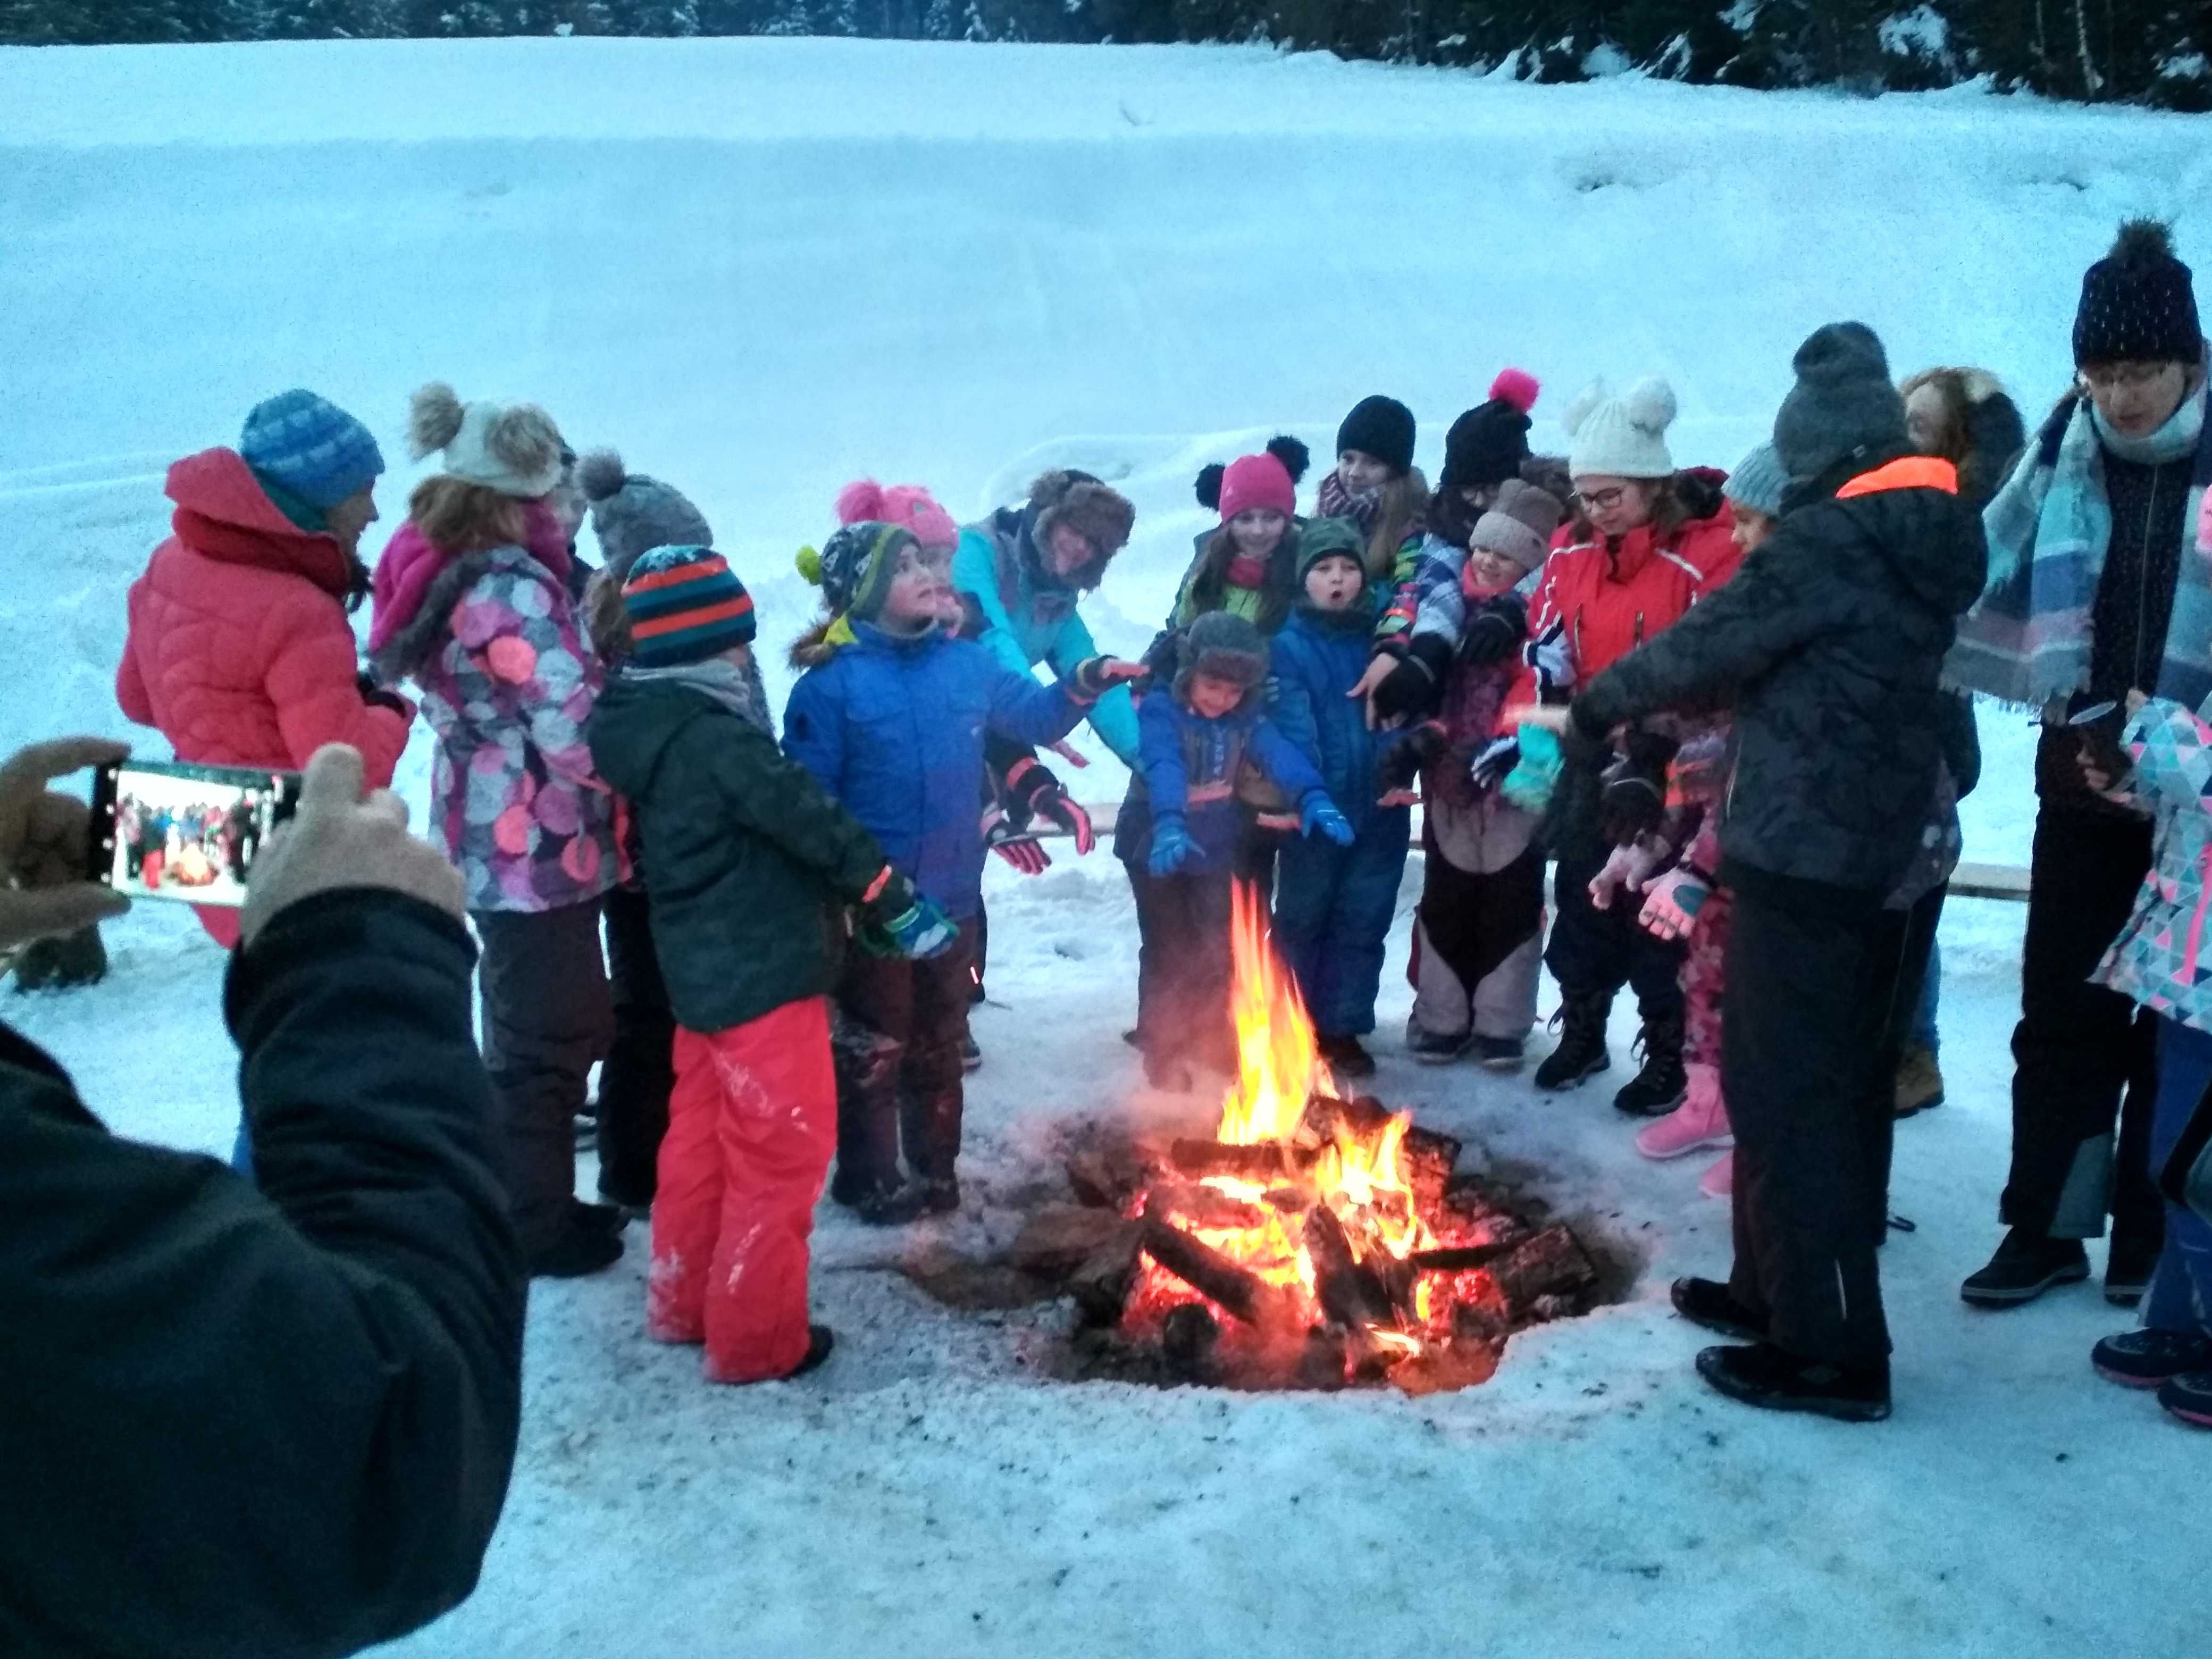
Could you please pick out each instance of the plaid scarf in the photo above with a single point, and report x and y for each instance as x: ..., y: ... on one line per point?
x: 1335, y: 501
x: 2026, y: 640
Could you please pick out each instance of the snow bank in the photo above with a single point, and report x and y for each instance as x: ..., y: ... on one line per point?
x: 759, y: 267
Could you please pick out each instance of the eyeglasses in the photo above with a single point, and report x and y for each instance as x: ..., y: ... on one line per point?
x: 2122, y: 377
x: 1604, y: 500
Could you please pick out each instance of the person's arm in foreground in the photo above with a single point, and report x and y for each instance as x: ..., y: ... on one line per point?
x: 276, y: 1422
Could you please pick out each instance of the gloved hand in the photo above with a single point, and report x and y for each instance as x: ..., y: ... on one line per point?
x: 1172, y: 847
x: 1012, y: 844
x: 1632, y: 800
x: 1402, y: 763
x: 1094, y: 677
x: 900, y: 922
x: 1529, y: 785
x: 1553, y: 659
x: 1033, y: 792
x: 380, y: 697
x: 1410, y: 690
x: 1490, y: 768
x: 1495, y: 629
x: 1671, y: 906
x: 1627, y: 869
x: 1318, y: 815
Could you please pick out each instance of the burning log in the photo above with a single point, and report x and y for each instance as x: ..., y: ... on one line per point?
x: 1059, y: 1238
x: 1265, y: 1164
x: 1458, y: 1260
x: 1214, y: 1276
x: 1551, y: 1264
x: 1351, y: 1296
x: 1429, y: 1157
x: 1106, y: 1178
x: 1100, y: 1284
x: 1195, y: 1206
x: 1445, y: 1366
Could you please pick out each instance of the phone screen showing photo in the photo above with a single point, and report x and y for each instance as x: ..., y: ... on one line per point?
x: 169, y: 830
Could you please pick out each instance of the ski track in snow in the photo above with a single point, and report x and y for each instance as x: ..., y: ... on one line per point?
x: 759, y: 267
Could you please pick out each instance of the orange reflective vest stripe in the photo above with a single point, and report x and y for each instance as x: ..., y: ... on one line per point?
x: 1913, y: 472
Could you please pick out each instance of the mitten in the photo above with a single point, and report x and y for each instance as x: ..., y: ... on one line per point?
x: 1402, y: 765
x: 1671, y: 905
x: 1529, y: 785
x: 380, y: 696
x: 1410, y: 690
x: 1094, y: 677
x: 1490, y: 768
x: 1494, y: 631
x: 1318, y: 815
x: 1553, y: 659
x: 901, y: 922
x: 1013, y: 845
x: 1632, y: 800
x: 1033, y: 792
x: 1172, y: 847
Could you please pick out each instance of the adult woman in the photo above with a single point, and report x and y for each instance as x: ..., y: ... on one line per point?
x: 2093, y: 593
x: 472, y: 601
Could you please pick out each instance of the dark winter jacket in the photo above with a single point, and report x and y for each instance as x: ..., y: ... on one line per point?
x: 1316, y: 659
x: 276, y: 1422
x: 1829, y: 640
x: 892, y: 729
x: 1193, y: 766
x: 748, y: 865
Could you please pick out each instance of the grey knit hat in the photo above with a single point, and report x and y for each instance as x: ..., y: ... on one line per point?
x: 1223, y: 645
x: 1519, y: 524
x: 1844, y: 401
x: 1759, y: 482
x: 632, y: 514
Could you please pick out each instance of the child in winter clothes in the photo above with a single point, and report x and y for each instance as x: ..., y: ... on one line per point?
x: 1179, y: 831
x: 749, y: 867
x: 2153, y: 963
x: 1477, y: 935
x: 889, y: 716
x: 631, y: 514
x: 472, y: 602
x: 1334, y: 903
x: 1376, y: 485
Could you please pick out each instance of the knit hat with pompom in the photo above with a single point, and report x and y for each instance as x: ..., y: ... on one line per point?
x: 632, y: 514
x: 1621, y: 437
x: 1214, y: 492
x: 910, y: 507
x: 854, y: 567
x: 513, y: 448
x: 2138, y: 304
x: 1486, y: 446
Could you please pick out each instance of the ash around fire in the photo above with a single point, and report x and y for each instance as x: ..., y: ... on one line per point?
x: 1187, y: 1260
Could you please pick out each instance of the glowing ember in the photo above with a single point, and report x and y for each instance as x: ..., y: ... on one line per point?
x: 1307, y: 1218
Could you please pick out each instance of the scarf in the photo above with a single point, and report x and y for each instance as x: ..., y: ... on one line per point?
x: 740, y: 690
x: 1335, y: 501
x: 2025, y: 641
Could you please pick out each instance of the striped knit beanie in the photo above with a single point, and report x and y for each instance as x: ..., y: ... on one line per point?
x: 684, y: 604
x: 854, y: 567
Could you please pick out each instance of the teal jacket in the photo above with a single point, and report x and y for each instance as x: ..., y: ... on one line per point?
x: 1023, y: 620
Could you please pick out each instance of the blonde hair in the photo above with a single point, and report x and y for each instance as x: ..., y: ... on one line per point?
x: 1954, y: 443
x: 1397, y: 510
x: 456, y: 516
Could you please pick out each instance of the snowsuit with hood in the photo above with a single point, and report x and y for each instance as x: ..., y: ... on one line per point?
x: 238, y: 649
x: 491, y: 639
x: 1831, y: 637
x: 748, y: 869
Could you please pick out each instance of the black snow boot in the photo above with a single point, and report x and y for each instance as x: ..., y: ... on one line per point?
x: 2026, y: 1265
x: 1582, y: 1052
x: 1776, y: 1380
x: 1658, y: 1089
x: 1709, y: 1303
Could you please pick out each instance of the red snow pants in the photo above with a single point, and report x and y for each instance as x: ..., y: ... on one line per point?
x: 751, y: 1125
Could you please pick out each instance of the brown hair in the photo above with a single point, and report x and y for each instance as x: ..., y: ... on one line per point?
x: 1397, y: 510
x: 456, y: 516
x: 606, y: 620
x: 1209, y: 588
x: 1955, y: 441
x: 1670, y: 512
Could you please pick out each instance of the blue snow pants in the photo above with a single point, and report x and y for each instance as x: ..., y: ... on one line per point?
x: 2180, y: 1295
x: 1333, y: 907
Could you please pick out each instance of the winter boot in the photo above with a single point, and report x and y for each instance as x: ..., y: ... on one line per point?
x: 2129, y: 1265
x: 1344, y: 1056
x: 59, y: 964
x: 971, y: 1053
x: 1437, y: 1049
x: 2025, y: 1267
x: 1719, y: 1182
x: 1709, y: 1303
x: 2143, y: 1359
x: 1582, y: 1052
x: 582, y: 1249
x: 1501, y: 1053
x: 1919, y: 1082
x: 1658, y: 1089
x: 2189, y: 1398
x: 1776, y: 1380
x: 1699, y: 1122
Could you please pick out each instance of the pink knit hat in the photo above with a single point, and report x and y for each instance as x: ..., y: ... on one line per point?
x: 1257, y: 480
x: 909, y: 506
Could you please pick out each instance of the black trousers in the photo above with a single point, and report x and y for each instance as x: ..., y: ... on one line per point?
x: 899, y: 1072
x: 1814, y: 1010
x: 1594, y: 952
x: 547, y: 1021
x: 1182, y: 963
x: 639, y: 1069
x: 2083, y: 1056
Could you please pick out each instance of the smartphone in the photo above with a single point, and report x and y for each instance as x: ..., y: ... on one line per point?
x: 168, y: 830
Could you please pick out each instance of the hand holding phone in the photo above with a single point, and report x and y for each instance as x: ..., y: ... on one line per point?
x: 169, y: 829
x: 41, y: 837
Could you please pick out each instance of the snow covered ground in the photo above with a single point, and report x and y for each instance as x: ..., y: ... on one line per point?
x: 761, y: 266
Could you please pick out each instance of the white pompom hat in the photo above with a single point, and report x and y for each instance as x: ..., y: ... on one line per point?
x: 513, y: 448
x: 1621, y: 437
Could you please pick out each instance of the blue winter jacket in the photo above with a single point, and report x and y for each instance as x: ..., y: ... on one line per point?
x: 893, y: 728
x: 1316, y: 659
x: 1190, y: 766
x: 1023, y: 620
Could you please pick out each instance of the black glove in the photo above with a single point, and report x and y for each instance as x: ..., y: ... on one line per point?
x: 1401, y: 766
x: 1496, y: 631
x: 1411, y: 690
x: 1634, y: 799
x: 379, y: 696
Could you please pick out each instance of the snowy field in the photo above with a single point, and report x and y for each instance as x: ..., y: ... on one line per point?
x: 762, y: 267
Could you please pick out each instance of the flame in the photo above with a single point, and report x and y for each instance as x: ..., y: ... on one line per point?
x: 1359, y: 1173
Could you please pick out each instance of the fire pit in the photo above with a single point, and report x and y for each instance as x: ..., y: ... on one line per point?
x: 1317, y: 1240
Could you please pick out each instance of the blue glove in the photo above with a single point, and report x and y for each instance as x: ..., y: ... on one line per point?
x: 1172, y: 847
x: 1317, y: 814
x: 901, y: 922
x: 1529, y: 785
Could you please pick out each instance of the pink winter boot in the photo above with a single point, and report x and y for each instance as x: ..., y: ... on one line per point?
x: 1701, y: 1120
x: 1719, y: 1182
